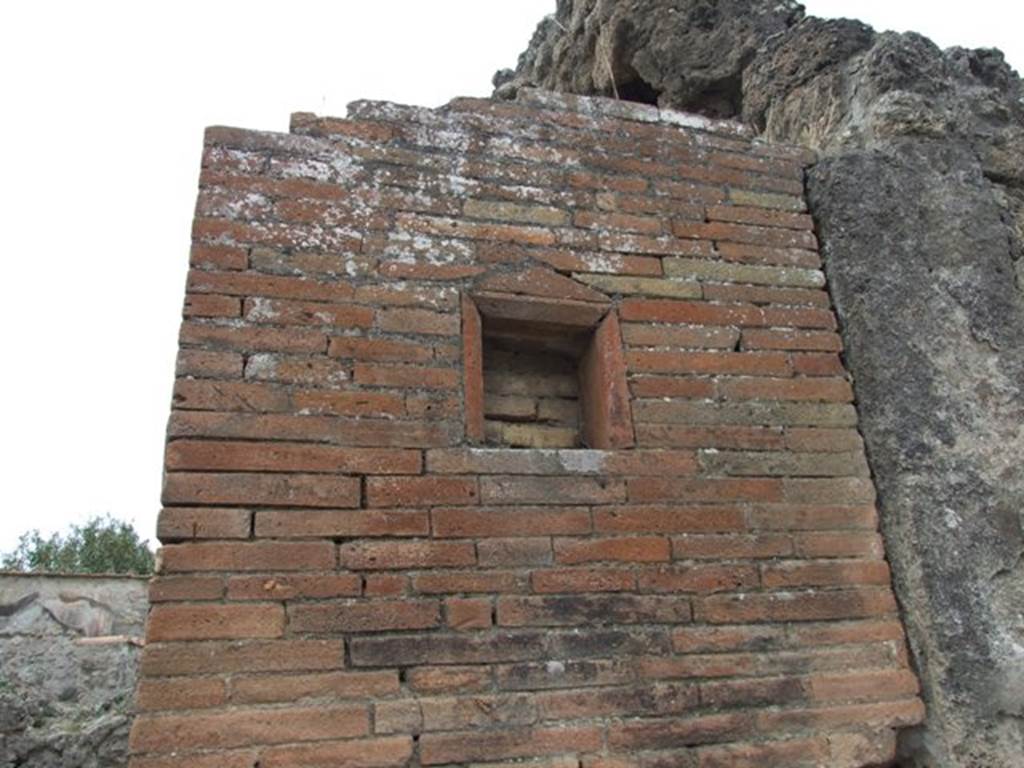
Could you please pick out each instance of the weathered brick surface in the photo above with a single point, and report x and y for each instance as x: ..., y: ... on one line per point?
x: 670, y: 559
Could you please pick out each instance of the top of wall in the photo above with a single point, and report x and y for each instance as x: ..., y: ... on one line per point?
x: 545, y: 109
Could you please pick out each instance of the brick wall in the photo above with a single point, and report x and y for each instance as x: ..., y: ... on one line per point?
x: 362, y: 567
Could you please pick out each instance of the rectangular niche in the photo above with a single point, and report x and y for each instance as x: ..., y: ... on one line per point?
x: 531, y: 386
x: 544, y: 374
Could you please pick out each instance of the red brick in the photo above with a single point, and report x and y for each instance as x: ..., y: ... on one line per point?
x: 289, y: 457
x: 187, y: 523
x: 583, y: 580
x: 180, y: 693
x: 802, y: 606
x: 218, y: 257
x: 468, y: 581
x: 211, y: 306
x: 668, y: 519
x: 571, y: 260
x: 446, y: 227
x: 269, y: 286
x: 179, y: 588
x: 647, y: 549
x: 771, y: 691
x: 433, y: 680
x: 687, y: 337
x: 607, y: 417
x: 795, y: 753
x: 587, y: 610
x: 433, y: 405
x: 411, y: 376
x: 812, y: 439
x: 272, y: 489
x: 252, y: 339
x: 250, y: 556
x: 698, y: 578
x: 827, y: 491
x: 267, y: 689
x: 863, y: 685
x: 815, y: 341
x: 467, y: 613
x: 761, y: 254
x: 662, y: 699
x: 799, y: 317
x: 765, y: 295
x: 704, y: 489
x: 220, y: 759
x: 417, y: 320
x: 678, y: 732
x: 473, y: 371
x: 303, y: 370
x: 230, y: 395
x: 874, y: 630
x: 312, y: 125
x: 358, y: 432
x: 364, y: 616
x: 348, y: 403
x: 380, y: 555
x: 741, y: 233
x: 550, y: 490
x: 818, y: 364
x: 205, y: 621
x: 385, y: 585
x: 693, y: 312
x: 514, y: 552
x: 496, y: 521
x: 626, y: 222
x: 731, y: 547
x: 420, y: 491
x: 337, y: 523
x: 755, y: 363
x: 480, y: 745
x: 379, y: 350
x: 846, y: 544
x: 892, y: 714
x: 241, y: 656
x: 578, y: 673
x: 538, y: 282
x: 816, y: 389
x: 312, y: 313
x: 813, y: 517
x: 722, y: 436
x: 761, y: 216
x: 586, y: 180
x: 273, y: 234
x: 827, y: 574
x: 530, y: 309
x: 208, y: 365
x: 390, y: 752
x: 240, y: 728
x: 290, y: 586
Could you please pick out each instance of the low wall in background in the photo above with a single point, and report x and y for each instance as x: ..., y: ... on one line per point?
x: 69, y: 649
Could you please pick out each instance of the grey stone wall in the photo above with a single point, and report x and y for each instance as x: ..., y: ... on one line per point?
x: 69, y: 648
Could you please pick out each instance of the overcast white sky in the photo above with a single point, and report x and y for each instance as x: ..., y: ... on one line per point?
x: 105, y: 104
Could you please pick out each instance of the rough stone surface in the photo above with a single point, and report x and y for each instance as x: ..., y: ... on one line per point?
x: 67, y: 669
x: 683, y: 55
x: 919, y: 205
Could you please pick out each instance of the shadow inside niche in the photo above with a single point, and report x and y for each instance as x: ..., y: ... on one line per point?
x: 639, y: 90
